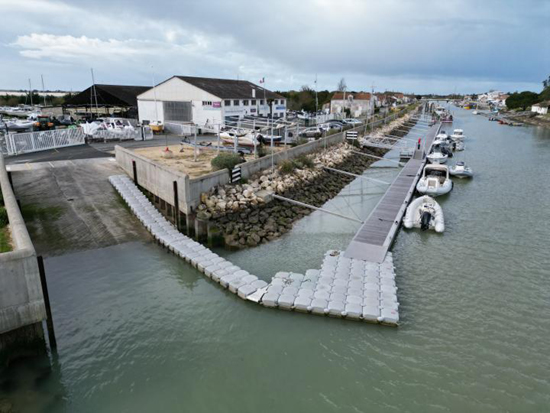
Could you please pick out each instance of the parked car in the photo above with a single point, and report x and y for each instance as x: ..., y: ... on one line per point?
x: 314, y: 132
x: 354, y: 122
x: 328, y: 126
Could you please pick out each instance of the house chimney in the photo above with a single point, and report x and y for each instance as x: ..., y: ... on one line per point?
x: 254, y: 93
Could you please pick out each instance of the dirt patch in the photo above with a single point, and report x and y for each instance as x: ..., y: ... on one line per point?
x: 183, y: 159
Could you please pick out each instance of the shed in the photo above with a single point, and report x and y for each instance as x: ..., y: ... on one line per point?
x: 107, y: 100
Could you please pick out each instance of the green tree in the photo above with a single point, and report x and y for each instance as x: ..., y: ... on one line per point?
x: 522, y: 100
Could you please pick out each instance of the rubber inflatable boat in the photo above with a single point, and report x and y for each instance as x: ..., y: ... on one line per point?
x: 437, y: 155
x: 424, y: 213
x: 435, y: 181
x: 460, y: 170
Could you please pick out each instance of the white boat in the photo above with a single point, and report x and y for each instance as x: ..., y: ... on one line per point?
x: 19, y: 125
x: 444, y: 141
x: 436, y: 155
x: 460, y: 170
x: 459, y: 146
x: 435, y: 181
x: 424, y: 213
x: 458, y: 135
x: 230, y: 137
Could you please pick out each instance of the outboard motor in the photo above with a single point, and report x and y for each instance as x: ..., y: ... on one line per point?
x: 447, y: 152
x: 425, y: 219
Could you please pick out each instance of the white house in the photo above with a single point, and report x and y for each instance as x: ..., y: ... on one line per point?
x: 206, y: 101
x: 541, y: 108
x: 358, y: 103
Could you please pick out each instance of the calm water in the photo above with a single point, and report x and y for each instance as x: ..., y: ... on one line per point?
x: 139, y: 331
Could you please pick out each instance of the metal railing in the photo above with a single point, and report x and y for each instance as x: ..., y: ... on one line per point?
x: 18, y: 143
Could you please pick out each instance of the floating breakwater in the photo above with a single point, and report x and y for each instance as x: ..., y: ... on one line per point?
x: 354, y: 289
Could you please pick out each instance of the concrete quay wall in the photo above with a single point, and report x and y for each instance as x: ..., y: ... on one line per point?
x: 21, y: 299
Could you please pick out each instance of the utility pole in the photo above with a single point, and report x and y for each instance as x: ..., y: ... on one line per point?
x: 316, y: 100
x: 156, y: 106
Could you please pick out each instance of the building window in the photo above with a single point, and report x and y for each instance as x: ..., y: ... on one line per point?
x: 252, y: 103
x: 245, y: 102
x: 235, y: 103
x: 227, y: 103
x: 261, y: 102
x: 206, y: 103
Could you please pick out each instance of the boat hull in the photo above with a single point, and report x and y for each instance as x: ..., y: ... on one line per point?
x: 417, y: 208
x: 425, y: 188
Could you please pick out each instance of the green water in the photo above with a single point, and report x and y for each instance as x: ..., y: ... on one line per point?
x: 138, y: 330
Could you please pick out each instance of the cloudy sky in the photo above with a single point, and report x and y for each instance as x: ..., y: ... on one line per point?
x: 417, y: 46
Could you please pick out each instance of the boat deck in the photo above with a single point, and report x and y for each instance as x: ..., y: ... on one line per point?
x: 374, y: 238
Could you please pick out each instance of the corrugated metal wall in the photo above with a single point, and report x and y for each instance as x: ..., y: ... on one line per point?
x: 178, y: 111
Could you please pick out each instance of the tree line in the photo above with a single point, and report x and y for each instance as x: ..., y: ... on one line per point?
x: 14, y: 100
x: 523, y: 100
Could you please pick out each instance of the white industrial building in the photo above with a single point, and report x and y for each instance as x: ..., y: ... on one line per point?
x: 207, y: 102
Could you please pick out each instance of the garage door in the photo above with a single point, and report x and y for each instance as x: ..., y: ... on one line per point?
x: 177, y: 112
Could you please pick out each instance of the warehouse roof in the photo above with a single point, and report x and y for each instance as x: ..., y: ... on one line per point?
x: 108, y: 95
x: 229, y: 88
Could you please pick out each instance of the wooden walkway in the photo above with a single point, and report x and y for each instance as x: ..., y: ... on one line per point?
x: 374, y: 238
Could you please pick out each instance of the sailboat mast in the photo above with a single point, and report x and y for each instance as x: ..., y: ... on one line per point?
x: 30, y: 90
x: 94, y: 93
x: 43, y: 90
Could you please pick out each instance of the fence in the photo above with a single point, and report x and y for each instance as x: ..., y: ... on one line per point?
x: 180, y: 129
x: 18, y: 143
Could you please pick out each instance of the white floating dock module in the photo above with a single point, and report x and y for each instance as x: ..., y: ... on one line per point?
x: 343, y: 287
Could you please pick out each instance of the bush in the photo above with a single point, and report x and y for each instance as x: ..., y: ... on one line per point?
x: 303, y: 161
x: 287, y: 167
x: 226, y: 160
x: 261, y: 151
x: 3, y: 217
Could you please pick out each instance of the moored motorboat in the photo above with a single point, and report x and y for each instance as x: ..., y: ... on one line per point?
x: 458, y: 135
x: 445, y: 143
x: 437, y: 155
x: 435, y: 181
x: 424, y: 213
x: 460, y: 170
x: 459, y: 146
